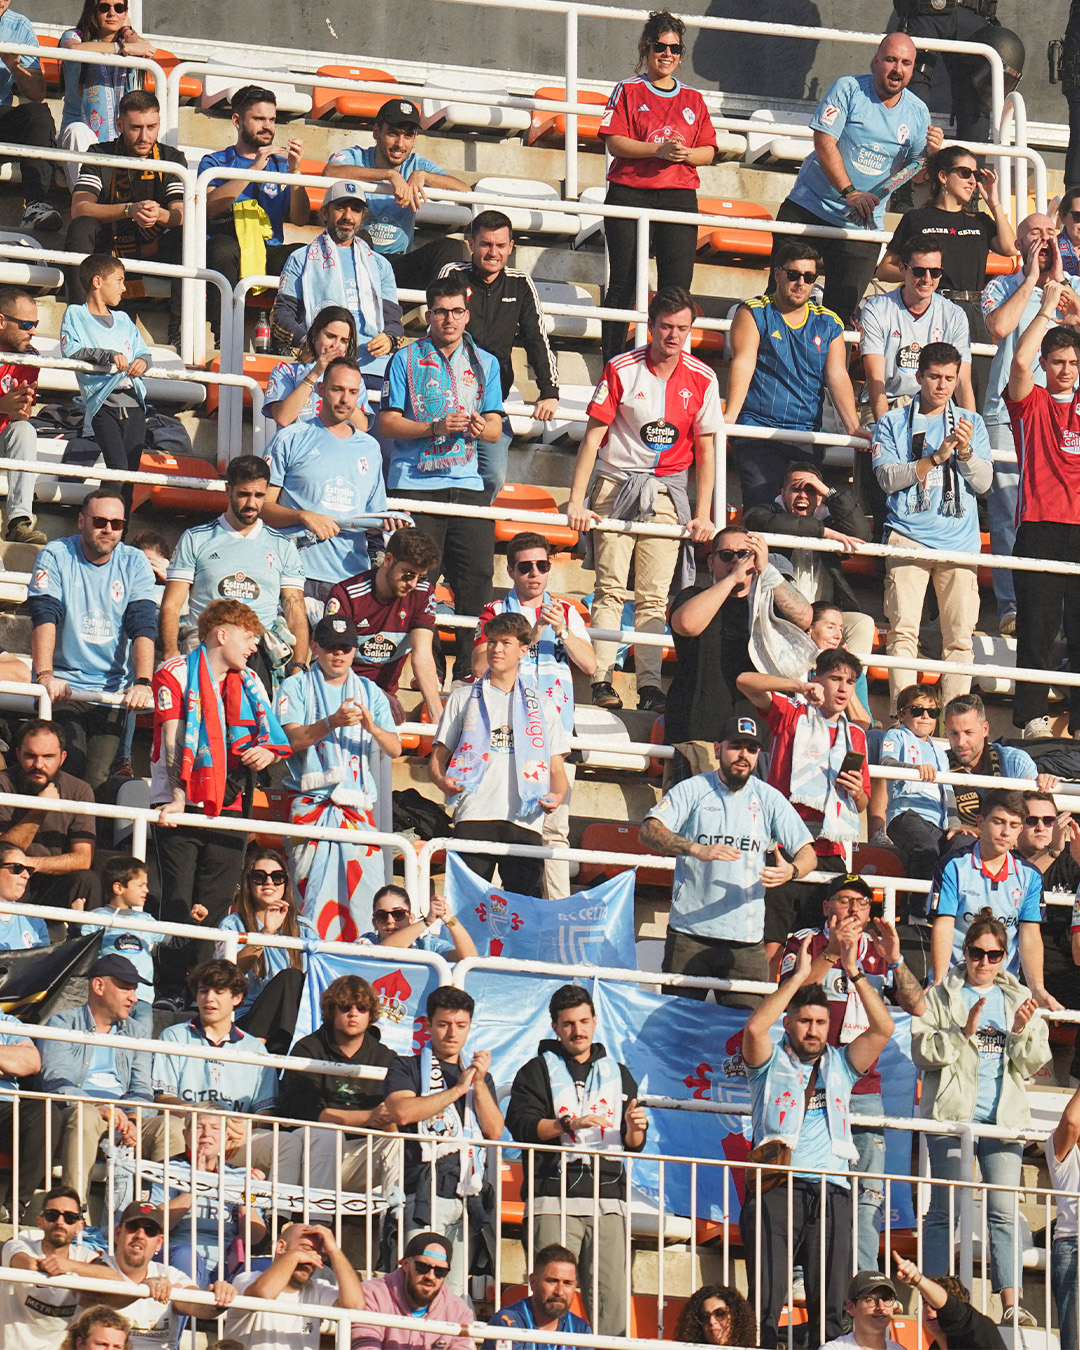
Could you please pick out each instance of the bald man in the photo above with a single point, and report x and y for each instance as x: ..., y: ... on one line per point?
x: 1009, y: 305
x: 866, y: 128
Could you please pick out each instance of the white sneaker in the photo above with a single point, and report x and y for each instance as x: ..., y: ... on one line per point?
x: 42, y: 217
x: 1017, y: 1316
x: 1038, y: 729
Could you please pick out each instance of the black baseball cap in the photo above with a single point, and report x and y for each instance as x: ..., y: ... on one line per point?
x: 335, y: 630
x: 745, y: 728
x: 430, y: 1244
x: 399, y: 112
x: 868, y: 1282
x: 140, y: 1209
x: 849, y: 881
x: 119, y: 967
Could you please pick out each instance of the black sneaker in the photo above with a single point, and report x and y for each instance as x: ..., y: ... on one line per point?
x: 650, y: 699
x: 604, y: 695
x: 172, y: 1002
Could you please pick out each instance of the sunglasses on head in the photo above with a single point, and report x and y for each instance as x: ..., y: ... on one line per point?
x: 730, y: 554
x: 992, y: 955
x: 61, y: 1215
x: 793, y: 274
x: 1032, y: 821
x: 24, y: 325
x: 383, y: 915
x: 921, y: 710
x: 675, y: 48
x: 963, y: 171
x: 108, y: 523
x: 934, y: 273
x: 19, y: 869
x: 276, y: 878
x: 542, y: 565
x: 427, y: 1268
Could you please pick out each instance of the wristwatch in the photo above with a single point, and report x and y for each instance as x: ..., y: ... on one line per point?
x: 142, y: 680
x: 854, y: 979
x: 848, y: 191
x: 294, y: 666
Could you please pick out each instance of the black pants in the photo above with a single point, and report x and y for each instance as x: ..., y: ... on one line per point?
x: 521, y: 875
x: 86, y: 235
x: 32, y: 1136
x: 194, y: 867
x: 223, y: 255
x: 1072, y: 155
x: 673, y: 246
x: 92, y: 732
x: 919, y: 843
x: 716, y: 959
x: 272, y: 1016
x: 30, y: 124
x: 849, y: 263
x: 59, y: 889
x: 468, y: 558
x: 417, y: 269
x: 970, y: 112
x: 1041, y: 598
x: 780, y: 1249
x: 761, y: 466
x: 121, y: 434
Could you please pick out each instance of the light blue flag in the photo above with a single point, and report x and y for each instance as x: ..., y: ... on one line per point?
x: 402, y: 989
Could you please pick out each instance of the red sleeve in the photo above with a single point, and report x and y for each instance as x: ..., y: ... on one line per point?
x: 780, y: 713
x: 858, y: 741
x: 486, y: 614
x: 168, y: 696
x: 616, y: 121
x: 1017, y: 408
x: 604, y: 404
x: 704, y: 131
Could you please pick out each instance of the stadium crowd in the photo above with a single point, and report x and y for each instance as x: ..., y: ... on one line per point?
x: 270, y: 645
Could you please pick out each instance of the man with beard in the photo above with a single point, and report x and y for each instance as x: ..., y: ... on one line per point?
x: 552, y: 1285
x: 339, y: 268
x: 800, y: 1093
x: 971, y: 751
x: 722, y: 828
x: 417, y: 1289
x: 301, y: 1251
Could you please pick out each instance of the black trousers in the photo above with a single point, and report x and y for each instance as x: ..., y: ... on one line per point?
x: 919, y: 843
x: 417, y: 269
x: 92, y: 732
x: 761, y: 466
x: 272, y: 1017
x: 715, y: 959
x: 521, y: 875
x: 223, y: 255
x: 970, y: 112
x: 59, y: 889
x: 673, y: 246
x: 780, y: 1249
x: 1072, y: 155
x: 849, y: 263
x: 32, y: 1135
x: 468, y: 558
x: 30, y: 124
x: 1044, y: 600
x: 121, y: 434
x: 86, y: 235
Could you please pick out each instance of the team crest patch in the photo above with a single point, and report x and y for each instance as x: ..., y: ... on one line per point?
x: 689, y: 115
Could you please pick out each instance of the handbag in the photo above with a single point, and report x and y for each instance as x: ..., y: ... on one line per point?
x: 774, y: 1153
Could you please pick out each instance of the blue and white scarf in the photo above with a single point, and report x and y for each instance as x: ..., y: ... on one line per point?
x: 600, y: 1095
x: 784, y: 1100
x: 447, y: 1131
x: 814, y: 766
x: 1069, y: 259
x: 552, y: 676
x: 469, y: 762
x: 343, y: 755
x: 431, y: 398
x: 322, y: 283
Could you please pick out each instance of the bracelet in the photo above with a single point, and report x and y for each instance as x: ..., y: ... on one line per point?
x: 450, y: 921
x: 897, y: 964
x: 832, y: 960
x: 40, y: 675
x: 308, y: 380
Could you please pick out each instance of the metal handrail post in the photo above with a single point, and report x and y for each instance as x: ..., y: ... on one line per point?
x: 570, y: 149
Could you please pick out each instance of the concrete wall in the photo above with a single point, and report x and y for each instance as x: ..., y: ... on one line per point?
x: 527, y: 41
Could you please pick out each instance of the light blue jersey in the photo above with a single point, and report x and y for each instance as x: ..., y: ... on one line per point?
x: 814, y: 1149
x: 726, y: 899
x: 16, y: 28
x: 137, y: 947
x: 293, y: 706
x: 874, y: 142
x: 335, y: 476
x: 963, y: 887
x: 996, y: 293
x: 93, y: 650
x: 206, y: 1206
x: 11, y: 1033
x: 925, y: 799
x: 276, y: 958
x: 250, y: 1088
x: 990, y: 1042
x: 891, y: 331
x: 933, y: 526
x: 82, y: 332
x: 788, y: 387
x: 426, y: 942
x: 19, y: 932
x: 389, y: 226
x: 220, y: 563
x: 284, y: 378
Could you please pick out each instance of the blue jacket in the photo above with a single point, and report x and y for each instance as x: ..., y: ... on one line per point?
x: 64, y: 1064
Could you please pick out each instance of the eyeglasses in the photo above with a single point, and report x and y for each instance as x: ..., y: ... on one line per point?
x: 542, y: 565
x: 979, y: 954
x: 267, y: 878
x: 19, y: 869
x: 350, y: 1007
x: 458, y: 313
x: 382, y: 915
x: 853, y: 901
x: 108, y: 523
x: 887, y: 1299
x: 24, y: 325
x: 964, y: 171
x: 1032, y: 821
x: 934, y: 273
x: 61, y: 1215
x: 713, y: 1315
x: 730, y: 554
x: 675, y: 48
x: 793, y: 274
x: 142, y: 1226
x: 922, y: 711
x: 426, y: 1268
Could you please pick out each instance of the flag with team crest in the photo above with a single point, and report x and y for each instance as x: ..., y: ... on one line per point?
x: 592, y: 928
x: 402, y: 989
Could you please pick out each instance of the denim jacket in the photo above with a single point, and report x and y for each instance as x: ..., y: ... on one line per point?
x: 64, y: 1064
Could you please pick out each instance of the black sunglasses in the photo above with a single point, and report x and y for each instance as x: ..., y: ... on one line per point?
x: 978, y: 954
x: 26, y: 325
x: 921, y: 711
x: 1032, y: 821
x: 934, y: 273
x: 793, y: 274
x: 61, y: 1215
x: 146, y: 1226
x: 262, y: 878
x: 730, y: 554
x: 675, y: 48
x: 381, y: 916
x: 19, y: 869
x: 426, y: 1268
x: 542, y: 565
x: 107, y: 523
x: 964, y: 171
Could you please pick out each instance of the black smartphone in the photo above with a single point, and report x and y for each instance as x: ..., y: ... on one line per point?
x: 852, y: 762
x: 771, y: 857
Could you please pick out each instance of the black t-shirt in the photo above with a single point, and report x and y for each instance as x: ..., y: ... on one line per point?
x: 966, y: 1327
x: 403, y: 1075
x: 965, y: 241
x: 144, y: 181
x: 703, y: 693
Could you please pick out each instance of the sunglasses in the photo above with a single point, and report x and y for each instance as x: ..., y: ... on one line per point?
x: 267, y: 878
x: 675, y: 48
x: 61, y: 1215
x: 111, y: 9
x: 349, y: 1007
x: 427, y: 1268
x: 382, y: 915
x: 714, y: 1315
x: 541, y: 565
x: 934, y: 273
x: 19, y: 869
x: 964, y: 171
x: 108, y: 523
x: 142, y: 1226
x: 730, y: 554
x: 793, y: 274
x: 458, y: 313
x: 980, y: 954
x: 1074, y: 216
x: 922, y: 711
x: 24, y: 325
x: 1032, y: 821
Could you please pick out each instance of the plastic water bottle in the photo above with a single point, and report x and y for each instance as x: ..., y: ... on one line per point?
x: 262, y: 334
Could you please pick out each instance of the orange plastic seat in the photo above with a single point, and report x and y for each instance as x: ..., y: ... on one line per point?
x: 645, y: 1319
x: 860, y: 564
x: 270, y: 804
x: 190, y: 87
x: 51, y: 68
x: 997, y: 265
x: 873, y: 861
x: 315, y: 194
x: 735, y: 245
x: 656, y: 737
x: 985, y: 574
x: 340, y: 103
x: 178, y: 498
x: 444, y: 595
x: 551, y: 126
x: 258, y: 365
x: 528, y: 497
x: 606, y: 837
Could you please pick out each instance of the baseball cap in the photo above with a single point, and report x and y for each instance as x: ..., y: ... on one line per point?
x: 399, y: 112
x: 745, y: 728
x: 867, y: 1282
x: 119, y: 967
x: 346, y: 190
x: 431, y: 1245
x: 140, y: 1209
x: 849, y: 881
x: 335, y: 630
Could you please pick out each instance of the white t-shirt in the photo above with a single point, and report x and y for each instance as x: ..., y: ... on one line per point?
x: 849, y: 1342
x: 154, y: 1325
x: 1065, y: 1179
x: 36, y: 1316
x: 280, y: 1331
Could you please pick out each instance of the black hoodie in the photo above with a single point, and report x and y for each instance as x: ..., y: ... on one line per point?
x: 303, y: 1096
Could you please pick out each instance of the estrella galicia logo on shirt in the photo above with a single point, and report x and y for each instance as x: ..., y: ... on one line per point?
x: 660, y: 435
x: 1070, y: 443
x: 97, y: 627
x: 378, y: 649
x: 239, y: 587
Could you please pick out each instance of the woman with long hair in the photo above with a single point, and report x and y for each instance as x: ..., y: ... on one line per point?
x: 659, y: 134
x: 275, y: 975
x: 291, y: 391
x: 717, y: 1315
x: 1068, y: 219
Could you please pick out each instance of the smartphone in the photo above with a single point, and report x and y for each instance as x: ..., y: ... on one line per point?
x: 852, y: 762
x: 771, y: 858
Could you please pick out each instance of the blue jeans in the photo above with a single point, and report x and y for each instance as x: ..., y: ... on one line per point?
x: 1001, y: 513
x: 1063, y: 1281
x: 491, y: 457
x: 999, y: 1163
x: 870, y: 1144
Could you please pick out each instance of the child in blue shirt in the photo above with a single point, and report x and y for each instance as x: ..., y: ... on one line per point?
x: 114, y: 400
x: 124, y: 885
x: 917, y: 815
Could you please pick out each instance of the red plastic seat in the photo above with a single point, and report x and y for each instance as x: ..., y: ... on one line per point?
x: 528, y: 497
x: 340, y: 103
x: 735, y: 245
x: 551, y: 126
x: 606, y: 837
